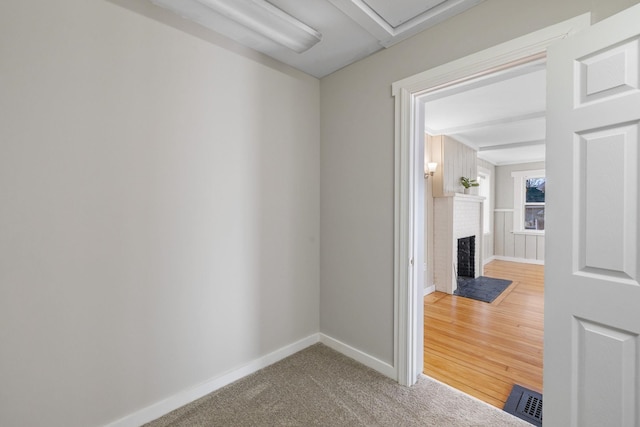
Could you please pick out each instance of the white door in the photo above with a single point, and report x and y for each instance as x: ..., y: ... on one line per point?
x: 592, y: 289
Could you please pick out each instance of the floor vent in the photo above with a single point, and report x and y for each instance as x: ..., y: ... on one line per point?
x: 525, y: 404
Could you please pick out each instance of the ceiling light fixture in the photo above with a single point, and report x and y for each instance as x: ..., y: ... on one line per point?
x: 267, y: 20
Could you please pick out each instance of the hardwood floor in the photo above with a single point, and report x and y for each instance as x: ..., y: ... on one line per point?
x: 484, y: 349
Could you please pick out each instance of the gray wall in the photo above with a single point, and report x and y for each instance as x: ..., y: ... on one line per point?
x: 159, y: 215
x: 506, y: 243
x: 504, y: 182
x: 357, y: 159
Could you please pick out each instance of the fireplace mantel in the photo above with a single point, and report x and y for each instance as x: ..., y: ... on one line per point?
x: 469, y: 197
x: 455, y: 216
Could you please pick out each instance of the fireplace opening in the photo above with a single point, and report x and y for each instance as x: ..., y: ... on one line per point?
x: 467, y: 257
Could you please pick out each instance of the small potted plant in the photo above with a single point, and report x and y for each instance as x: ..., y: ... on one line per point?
x: 467, y: 183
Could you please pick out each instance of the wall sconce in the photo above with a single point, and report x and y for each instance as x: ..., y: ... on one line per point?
x: 431, y: 168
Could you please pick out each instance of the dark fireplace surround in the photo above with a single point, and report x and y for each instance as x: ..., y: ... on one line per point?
x: 467, y: 256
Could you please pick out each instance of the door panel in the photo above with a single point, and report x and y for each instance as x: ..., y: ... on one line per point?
x: 592, y: 294
x: 607, y: 166
x: 608, y: 73
x: 598, y: 346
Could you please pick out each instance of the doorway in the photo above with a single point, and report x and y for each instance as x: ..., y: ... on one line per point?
x: 592, y: 296
x: 485, y: 130
x: 409, y: 99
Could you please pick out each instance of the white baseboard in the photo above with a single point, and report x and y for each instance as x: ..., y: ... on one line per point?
x: 184, y: 397
x: 522, y: 260
x: 171, y: 403
x: 359, y: 356
x: 429, y: 290
x: 488, y: 260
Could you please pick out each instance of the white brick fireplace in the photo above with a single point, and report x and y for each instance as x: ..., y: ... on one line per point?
x: 455, y: 216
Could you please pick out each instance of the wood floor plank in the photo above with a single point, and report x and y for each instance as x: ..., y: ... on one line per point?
x: 484, y: 349
x: 453, y: 382
x: 500, y: 370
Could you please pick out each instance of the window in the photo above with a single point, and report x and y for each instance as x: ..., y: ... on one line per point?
x: 484, y: 190
x: 534, y: 203
x: 529, y: 200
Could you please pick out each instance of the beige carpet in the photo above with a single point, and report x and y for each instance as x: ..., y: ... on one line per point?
x: 320, y: 387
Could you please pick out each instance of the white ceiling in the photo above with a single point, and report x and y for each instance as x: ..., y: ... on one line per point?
x: 351, y: 29
x: 501, y: 116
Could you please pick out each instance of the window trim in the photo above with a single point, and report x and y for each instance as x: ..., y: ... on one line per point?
x: 519, y: 178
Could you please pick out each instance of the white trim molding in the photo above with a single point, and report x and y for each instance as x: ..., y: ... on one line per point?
x: 520, y: 260
x: 529, y: 232
x: 410, y: 95
x: 408, y: 242
x: 388, y: 35
x: 174, y: 402
x: 429, y: 290
x: 488, y: 260
x: 486, y: 62
x: 519, y: 178
x: 359, y: 356
x: 171, y: 403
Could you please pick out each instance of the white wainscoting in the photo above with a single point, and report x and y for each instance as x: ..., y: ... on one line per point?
x: 515, y: 246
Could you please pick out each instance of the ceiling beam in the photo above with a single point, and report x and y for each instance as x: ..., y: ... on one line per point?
x: 512, y: 145
x: 482, y: 125
x: 374, y: 24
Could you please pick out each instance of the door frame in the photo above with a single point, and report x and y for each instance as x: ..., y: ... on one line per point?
x: 409, y: 242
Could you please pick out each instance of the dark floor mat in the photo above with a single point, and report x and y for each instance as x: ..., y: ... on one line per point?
x: 525, y: 404
x: 481, y: 288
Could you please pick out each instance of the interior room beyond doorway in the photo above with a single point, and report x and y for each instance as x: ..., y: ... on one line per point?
x: 484, y: 349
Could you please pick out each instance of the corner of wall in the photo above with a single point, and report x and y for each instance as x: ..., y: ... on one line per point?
x: 171, y: 403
